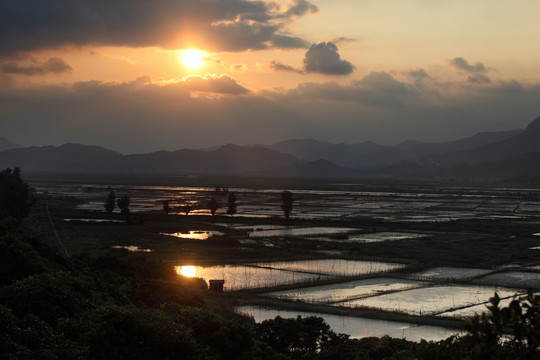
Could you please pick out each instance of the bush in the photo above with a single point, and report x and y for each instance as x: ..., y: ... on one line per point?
x: 225, y: 338
x: 18, y: 259
x: 48, y: 296
x: 15, y: 195
x: 127, y: 332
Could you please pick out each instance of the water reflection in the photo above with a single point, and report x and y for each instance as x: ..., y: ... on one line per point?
x: 132, y: 248
x: 187, y: 270
x: 194, y: 234
x: 249, y: 277
x: 357, y: 327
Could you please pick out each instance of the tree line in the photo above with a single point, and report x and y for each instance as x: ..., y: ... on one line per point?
x: 123, y: 202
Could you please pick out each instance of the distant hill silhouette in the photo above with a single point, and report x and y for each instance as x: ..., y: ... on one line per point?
x: 319, y: 168
x: 81, y: 158
x: 369, y: 153
x: 75, y: 157
x: 525, y: 142
x: 419, y: 151
x: 226, y: 159
x: 5, y: 144
x: 312, y: 150
x: 485, y: 156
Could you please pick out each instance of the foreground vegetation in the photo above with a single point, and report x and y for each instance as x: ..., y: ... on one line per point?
x: 124, y: 306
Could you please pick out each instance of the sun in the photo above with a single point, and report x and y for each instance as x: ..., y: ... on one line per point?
x: 192, y: 58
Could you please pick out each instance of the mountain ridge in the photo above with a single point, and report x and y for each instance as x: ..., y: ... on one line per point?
x: 486, y: 155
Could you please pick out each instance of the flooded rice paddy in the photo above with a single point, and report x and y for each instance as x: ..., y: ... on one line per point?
x: 267, y: 274
x: 356, y: 327
x: 335, y: 267
x: 379, y: 237
x: 327, y: 294
x: 302, y: 231
x: 450, y: 273
x: 432, y: 300
x: 96, y: 220
x: 518, y: 279
x: 194, y: 234
x: 344, y: 201
x: 132, y: 248
x: 238, y: 277
x: 438, y: 291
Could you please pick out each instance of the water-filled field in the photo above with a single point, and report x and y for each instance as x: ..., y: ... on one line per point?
x: 449, y: 273
x: 336, y: 267
x: 247, y: 277
x: 342, y: 201
x: 518, y: 279
x: 343, y: 220
x: 132, y: 248
x: 382, y: 236
x: 356, y: 327
x: 194, y: 234
x: 471, y: 311
x: 96, y: 220
x: 346, y: 290
x: 431, y: 300
x: 301, y: 231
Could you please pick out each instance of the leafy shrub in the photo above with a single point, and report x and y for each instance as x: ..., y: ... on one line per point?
x: 48, y: 296
x: 18, y: 259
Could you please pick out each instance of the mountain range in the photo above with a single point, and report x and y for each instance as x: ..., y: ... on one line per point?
x: 484, y: 156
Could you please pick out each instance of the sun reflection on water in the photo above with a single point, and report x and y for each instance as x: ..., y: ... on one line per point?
x: 187, y: 271
x: 194, y: 234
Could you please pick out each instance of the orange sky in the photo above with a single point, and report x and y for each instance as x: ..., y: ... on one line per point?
x: 340, y: 71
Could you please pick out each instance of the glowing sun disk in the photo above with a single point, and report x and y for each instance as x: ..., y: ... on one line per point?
x: 192, y: 58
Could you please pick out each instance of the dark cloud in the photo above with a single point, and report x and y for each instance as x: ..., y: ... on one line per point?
x: 324, y: 58
x: 479, y: 79
x: 239, y: 36
x: 376, y: 89
x: 232, y: 25
x: 476, y: 70
x: 279, y: 66
x: 238, y: 67
x: 463, y: 64
x: 300, y: 8
x: 141, y: 115
x: 340, y: 40
x: 419, y: 74
x: 289, y: 42
x: 212, y: 83
x: 53, y: 65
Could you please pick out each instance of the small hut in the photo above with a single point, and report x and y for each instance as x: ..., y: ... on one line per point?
x: 216, y: 285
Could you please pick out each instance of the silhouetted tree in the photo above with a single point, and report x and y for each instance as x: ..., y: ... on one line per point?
x: 110, y: 203
x: 123, y: 204
x: 287, y: 201
x: 300, y: 338
x: 213, y: 205
x: 15, y: 195
x: 231, y: 204
x: 166, y: 207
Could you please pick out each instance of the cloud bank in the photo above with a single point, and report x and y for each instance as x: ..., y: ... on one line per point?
x: 143, y: 115
x: 52, y: 66
x: 232, y: 25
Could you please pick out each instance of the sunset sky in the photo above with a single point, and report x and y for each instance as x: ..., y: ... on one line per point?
x: 116, y: 73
